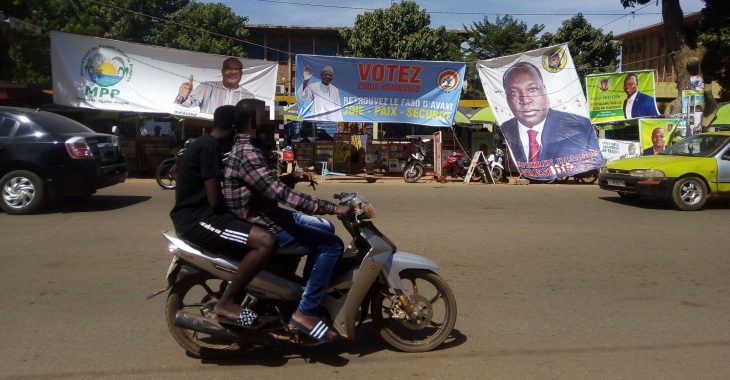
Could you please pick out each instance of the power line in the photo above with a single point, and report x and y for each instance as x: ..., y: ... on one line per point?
x: 456, y: 13
x: 287, y: 52
x: 184, y: 25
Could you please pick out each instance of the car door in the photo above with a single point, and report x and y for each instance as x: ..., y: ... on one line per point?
x: 723, y: 169
x: 7, y: 130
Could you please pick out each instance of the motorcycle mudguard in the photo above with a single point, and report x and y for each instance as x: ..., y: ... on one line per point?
x: 404, y: 260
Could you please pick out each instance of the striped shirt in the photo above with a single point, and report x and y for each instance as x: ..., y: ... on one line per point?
x: 252, y: 190
x: 211, y: 95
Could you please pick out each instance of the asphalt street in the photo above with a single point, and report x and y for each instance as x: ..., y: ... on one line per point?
x: 551, y: 281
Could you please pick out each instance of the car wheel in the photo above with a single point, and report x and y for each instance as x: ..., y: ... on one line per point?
x: 23, y: 192
x: 689, y: 193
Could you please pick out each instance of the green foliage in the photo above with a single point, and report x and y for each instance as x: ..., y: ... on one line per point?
x: 592, y: 51
x: 486, y: 40
x: 504, y: 36
x: 401, y: 32
x: 715, y: 36
x: 203, y: 30
x: 29, y: 55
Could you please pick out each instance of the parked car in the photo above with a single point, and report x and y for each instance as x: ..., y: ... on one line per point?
x: 687, y: 172
x: 44, y: 155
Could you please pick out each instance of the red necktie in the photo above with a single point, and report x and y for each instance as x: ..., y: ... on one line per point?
x: 534, y: 145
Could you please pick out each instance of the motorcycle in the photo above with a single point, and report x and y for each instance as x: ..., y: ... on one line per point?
x: 412, y: 308
x: 588, y: 177
x: 167, y: 170
x: 457, y: 165
x: 415, y: 166
x: 494, y: 162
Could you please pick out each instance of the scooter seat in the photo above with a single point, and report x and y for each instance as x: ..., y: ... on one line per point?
x: 292, y: 251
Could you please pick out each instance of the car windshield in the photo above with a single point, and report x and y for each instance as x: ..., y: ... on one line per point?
x: 54, y: 123
x: 697, y: 146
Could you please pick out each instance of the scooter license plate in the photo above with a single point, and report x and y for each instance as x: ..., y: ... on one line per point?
x: 172, y: 266
x: 614, y: 182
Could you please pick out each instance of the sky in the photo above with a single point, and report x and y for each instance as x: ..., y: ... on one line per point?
x: 549, y: 13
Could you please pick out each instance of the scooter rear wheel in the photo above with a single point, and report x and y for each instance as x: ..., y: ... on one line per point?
x: 192, y: 294
x: 165, y: 177
x: 433, y: 301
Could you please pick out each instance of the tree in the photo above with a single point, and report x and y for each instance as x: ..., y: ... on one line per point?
x: 208, y: 28
x: 715, y: 36
x: 487, y: 40
x: 503, y: 37
x: 142, y: 21
x: 680, y: 48
x: 401, y: 32
x: 592, y: 50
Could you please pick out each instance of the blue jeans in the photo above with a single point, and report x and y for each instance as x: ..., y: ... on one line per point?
x: 317, y: 236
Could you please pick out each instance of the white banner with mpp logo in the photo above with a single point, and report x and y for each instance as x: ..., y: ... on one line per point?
x: 99, y: 73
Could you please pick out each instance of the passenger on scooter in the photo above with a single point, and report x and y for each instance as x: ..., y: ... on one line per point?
x: 200, y: 216
x: 252, y: 191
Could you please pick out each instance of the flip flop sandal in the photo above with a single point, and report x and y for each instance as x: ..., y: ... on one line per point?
x: 246, y: 319
x: 319, y: 332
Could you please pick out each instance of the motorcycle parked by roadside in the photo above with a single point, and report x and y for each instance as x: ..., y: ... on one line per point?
x: 494, y: 162
x: 588, y: 177
x: 411, y: 307
x: 167, y: 170
x: 457, y: 164
x: 415, y: 166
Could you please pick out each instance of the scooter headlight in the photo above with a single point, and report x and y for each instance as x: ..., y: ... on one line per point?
x: 365, y: 211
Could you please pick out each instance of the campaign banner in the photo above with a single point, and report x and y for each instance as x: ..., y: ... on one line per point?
x: 619, y: 149
x: 378, y: 90
x: 99, y: 73
x: 693, y: 104
x: 655, y: 135
x: 538, y: 101
x: 621, y: 96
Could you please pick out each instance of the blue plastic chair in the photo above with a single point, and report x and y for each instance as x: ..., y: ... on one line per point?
x: 326, y: 172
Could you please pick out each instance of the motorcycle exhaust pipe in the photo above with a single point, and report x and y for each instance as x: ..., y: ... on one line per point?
x: 205, y: 325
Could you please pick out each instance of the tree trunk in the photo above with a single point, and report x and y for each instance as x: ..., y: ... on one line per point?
x: 679, y: 49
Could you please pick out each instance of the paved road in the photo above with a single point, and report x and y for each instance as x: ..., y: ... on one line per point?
x: 552, y: 281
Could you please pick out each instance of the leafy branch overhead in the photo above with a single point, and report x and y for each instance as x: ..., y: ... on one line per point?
x: 402, y: 31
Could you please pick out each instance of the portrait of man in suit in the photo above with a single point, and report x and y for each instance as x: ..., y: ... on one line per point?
x: 537, y: 132
x: 637, y: 104
x: 658, y: 137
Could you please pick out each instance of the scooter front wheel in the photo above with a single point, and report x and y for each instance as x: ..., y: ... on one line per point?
x: 433, y: 303
x: 497, y: 174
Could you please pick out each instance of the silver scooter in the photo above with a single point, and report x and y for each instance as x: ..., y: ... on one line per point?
x: 411, y: 307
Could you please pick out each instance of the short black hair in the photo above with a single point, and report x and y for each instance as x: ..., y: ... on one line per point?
x: 224, y: 117
x: 519, y: 66
x: 246, y: 110
x: 635, y: 78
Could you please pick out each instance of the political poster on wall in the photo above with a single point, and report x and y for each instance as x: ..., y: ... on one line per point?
x: 378, y: 90
x: 619, y: 149
x: 99, y: 73
x: 538, y: 101
x: 655, y: 135
x: 621, y: 96
x: 693, y: 104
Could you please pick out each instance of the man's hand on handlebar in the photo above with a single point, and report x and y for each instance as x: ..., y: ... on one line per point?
x: 343, y: 210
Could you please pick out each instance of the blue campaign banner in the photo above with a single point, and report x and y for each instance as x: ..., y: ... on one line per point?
x: 378, y: 90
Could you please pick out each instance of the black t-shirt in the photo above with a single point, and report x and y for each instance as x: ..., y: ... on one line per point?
x: 200, y: 161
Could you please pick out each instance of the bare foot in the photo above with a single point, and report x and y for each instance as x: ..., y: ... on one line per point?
x: 229, y: 311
